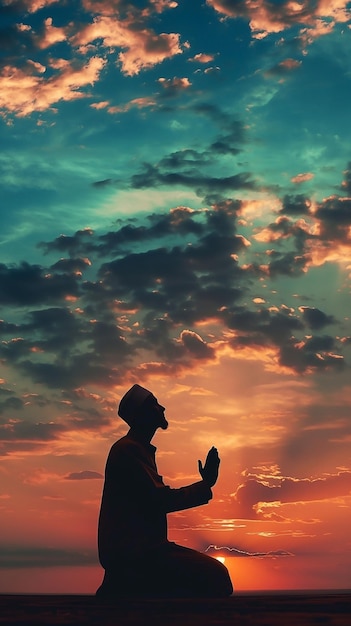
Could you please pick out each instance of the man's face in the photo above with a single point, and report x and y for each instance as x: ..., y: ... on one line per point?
x: 155, y: 412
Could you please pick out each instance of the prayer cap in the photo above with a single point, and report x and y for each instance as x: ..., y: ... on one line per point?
x: 131, y: 402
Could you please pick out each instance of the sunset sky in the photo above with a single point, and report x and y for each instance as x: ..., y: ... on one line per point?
x: 176, y: 211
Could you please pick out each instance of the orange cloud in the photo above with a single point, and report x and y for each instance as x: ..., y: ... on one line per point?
x: 202, y: 57
x: 176, y: 84
x: 111, y: 7
x: 139, y: 103
x: 302, y: 178
x: 35, y: 5
x: 142, y: 47
x: 51, y: 35
x: 267, y: 17
x: 22, y: 91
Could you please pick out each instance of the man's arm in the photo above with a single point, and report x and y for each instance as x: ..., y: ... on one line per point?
x: 141, y: 483
x: 198, y: 493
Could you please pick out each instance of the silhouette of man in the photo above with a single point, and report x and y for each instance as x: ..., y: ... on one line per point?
x: 132, y: 536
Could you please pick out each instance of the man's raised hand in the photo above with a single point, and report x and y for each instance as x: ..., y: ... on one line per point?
x: 209, y: 471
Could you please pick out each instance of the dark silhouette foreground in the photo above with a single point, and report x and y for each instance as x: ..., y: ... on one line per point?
x: 134, y: 550
x: 312, y: 608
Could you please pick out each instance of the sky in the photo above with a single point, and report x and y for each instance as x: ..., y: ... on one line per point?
x: 176, y: 211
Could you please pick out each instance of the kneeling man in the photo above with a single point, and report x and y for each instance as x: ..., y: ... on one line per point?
x: 134, y: 550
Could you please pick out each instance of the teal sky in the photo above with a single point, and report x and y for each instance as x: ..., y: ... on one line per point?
x: 176, y: 211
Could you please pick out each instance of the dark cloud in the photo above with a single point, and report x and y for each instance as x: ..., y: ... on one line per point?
x: 15, y: 430
x: 150, y: 282
x: 11, y: 405
x: 263, y: 327
x: 37, y: 556
x: 282, y: 329
x: 55, y: 330
x: 288, y: 229
x: 178, y: 222
x: 108, y: 342
x: 223, y: 120
x: 188, y: 167
x: 196, y: 346
x: 203, y: 185
x: 315, y: 318
x: 27, y: 284
x: 103, y: 183
x: 15, y: 349
x: 287, y: 490
x: 346, y: 184
x: 286, y: 263
x: 84, y: 475
x: 73, y: 244
x: 77, y: 371
x: 184, y: 158
x: 71, y: 266
x: 7, y: 328
x: 227, y: 144
x: 316, y: 353
x: 334, y: 214
x: 297, y: 204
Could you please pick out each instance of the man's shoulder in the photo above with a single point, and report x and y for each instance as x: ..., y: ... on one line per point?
x: 127, y: 445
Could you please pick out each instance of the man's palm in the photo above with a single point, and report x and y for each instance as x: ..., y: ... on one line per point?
x: 209, y: 471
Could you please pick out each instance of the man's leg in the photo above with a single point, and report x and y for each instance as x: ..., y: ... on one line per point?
x: 170, y: 571
x: 181, y: 572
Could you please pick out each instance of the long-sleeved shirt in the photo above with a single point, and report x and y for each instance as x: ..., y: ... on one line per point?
x: 135, y: 503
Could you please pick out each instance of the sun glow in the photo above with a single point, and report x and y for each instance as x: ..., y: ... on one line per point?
x: 221, y: 559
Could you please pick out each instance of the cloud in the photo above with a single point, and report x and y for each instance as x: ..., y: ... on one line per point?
x: 163, y: 293
x: 202, y: 57
x: 302, y: 178
x: 215, y: 551
x: 27, y: 284
x: 282, y: 69
x: 72, y: 244
x: 322, y: 235
x: 203, y: 185
x: 142, y: 47
x: 316, y: 318
x: 194, y: 169
x: 264, y: 329
x: 11, y: 404
x: 250, y: 494
x: 196, y: 345
x: 50, y: 35
x: 267, y: 17
x: 23, y: 437
x: 297, y: 204
x: 37, y: 556
x: 42, y: 75
x: 334, y: 214
x: 346, y: 183
x: 23, y: 90
x: 84, y: 475
x: 139, y: 103
x: 174, y: 86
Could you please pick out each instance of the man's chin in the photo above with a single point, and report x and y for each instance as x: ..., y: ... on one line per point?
x: 164, y: 424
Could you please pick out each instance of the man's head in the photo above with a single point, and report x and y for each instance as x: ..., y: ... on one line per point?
x: 139, y: 406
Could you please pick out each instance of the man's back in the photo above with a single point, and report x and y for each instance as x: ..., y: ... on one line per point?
x: 132, y: 520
